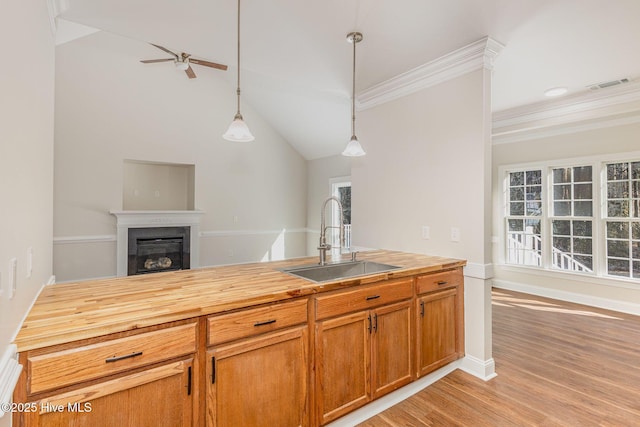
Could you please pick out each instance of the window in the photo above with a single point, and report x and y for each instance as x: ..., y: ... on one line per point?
x: 623, y: 219
x: 524, y: 239
x: 581, y: 218
x: 341, y: 188
x: 572, y: 220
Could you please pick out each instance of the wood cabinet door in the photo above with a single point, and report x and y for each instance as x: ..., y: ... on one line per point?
x: 343, y: 356
x: 392, y: 349
x: 261, y: 381
x: 437, y: 335
x: 160, y: 396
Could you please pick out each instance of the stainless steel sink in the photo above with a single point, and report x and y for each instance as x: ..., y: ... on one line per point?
x: 343, y: 270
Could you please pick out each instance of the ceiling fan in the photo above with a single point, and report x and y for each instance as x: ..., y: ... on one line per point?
x: 183, y: 61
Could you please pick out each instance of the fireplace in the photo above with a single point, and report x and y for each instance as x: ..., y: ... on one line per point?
x: 154, y: 249
x: 154, y: 245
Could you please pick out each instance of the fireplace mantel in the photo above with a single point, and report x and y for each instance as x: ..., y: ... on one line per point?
x: 140, y: 219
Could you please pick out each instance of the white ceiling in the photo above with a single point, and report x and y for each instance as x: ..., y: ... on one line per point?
x: 296, y: 63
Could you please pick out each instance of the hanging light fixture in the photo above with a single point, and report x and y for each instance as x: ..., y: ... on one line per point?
x: 238, y: 130
x: 353, y: 149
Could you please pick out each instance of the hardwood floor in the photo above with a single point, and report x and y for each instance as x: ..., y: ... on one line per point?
x: 558, y: 364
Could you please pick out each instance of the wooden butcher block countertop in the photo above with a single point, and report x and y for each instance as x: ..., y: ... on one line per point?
x: 68, y: 312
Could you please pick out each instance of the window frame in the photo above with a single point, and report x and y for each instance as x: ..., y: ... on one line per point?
x: 598, y: 219
x: 335, y: 184
x: 629, y: 220
x: 572, y: 218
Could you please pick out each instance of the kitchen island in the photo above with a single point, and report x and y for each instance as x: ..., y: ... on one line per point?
x: 243, y: 344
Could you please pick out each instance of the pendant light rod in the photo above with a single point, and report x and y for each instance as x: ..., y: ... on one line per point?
x: 353, y: 149
x: 238, y: 130
x: 353, y: 38
x: 238, y: 62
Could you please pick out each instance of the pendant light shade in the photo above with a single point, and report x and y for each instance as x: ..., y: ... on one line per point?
x: 353, y: 149
x: 238, y: 130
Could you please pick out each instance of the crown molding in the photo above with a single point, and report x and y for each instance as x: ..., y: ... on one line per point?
x: 477, y: 55
x: 55, y: 8
x: 585, y: 111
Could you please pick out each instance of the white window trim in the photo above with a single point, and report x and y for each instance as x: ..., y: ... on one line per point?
x: 599, y: 216
x: 334, y: 185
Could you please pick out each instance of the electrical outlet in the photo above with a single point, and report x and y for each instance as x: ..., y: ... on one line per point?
x: 426, y: 232
x: 13, y: 279
x: 455, y: 234
x: 29, y: 261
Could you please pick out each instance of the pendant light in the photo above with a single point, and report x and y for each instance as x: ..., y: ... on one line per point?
x: 238, y: 130
x: 353, y: 149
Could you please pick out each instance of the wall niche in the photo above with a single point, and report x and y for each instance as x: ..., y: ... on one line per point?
x: 150, y: 186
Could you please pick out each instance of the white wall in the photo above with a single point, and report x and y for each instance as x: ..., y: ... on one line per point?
x: 424, y: 166
x: 427, y: 164
x: 110, y: 107
x: 609, y: 141
x: 26, y: 157
x: 319, y: 173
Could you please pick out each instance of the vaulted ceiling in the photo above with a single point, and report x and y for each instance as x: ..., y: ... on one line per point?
x: 296, y: 63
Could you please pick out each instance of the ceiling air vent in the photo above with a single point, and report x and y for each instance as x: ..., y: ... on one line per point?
x: 604, y: 85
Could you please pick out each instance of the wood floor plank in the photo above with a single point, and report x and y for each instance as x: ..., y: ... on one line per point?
x: 558, y: 364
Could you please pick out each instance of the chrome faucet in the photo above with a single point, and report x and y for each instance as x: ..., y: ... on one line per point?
x: 324, y: 246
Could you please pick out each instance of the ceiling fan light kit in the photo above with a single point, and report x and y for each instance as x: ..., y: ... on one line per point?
x: 353, y: 148
x: 182, y: 66
x: 238, y: 130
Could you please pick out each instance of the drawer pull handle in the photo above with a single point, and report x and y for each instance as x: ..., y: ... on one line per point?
x: 189, y: 382
x: 442, y: 282
x: 213, y: 370
x: 266, y: 322
x: 126, y: 356
x: 369, y: 298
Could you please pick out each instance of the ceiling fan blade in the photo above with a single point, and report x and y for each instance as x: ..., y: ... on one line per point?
x: 165, y: 50
x: 151, y: 61
x: 208, y: 64
x: 190, y: 72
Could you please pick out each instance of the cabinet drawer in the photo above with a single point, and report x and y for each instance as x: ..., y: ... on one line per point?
x: 58, y: 369
x: 362, y: 299
x: 437, y: 281
x: 242, y: 324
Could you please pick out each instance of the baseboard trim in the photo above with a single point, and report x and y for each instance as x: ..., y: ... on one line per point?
x: 360, y: 415
x: 483, y: 369
x: 10, y: 370
x: 593, y: 301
